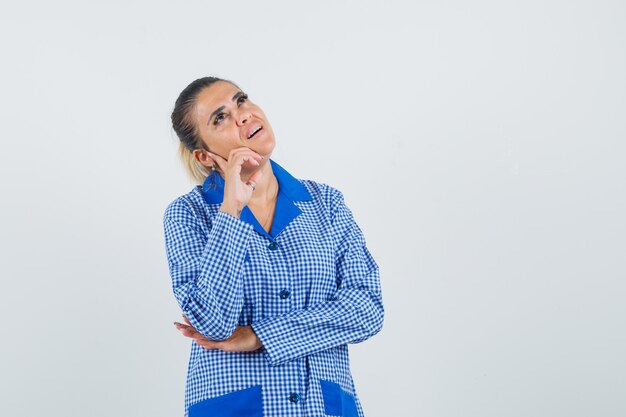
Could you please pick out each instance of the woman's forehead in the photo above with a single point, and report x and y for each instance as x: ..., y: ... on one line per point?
x: 218, y: 92
x: 216, y: 95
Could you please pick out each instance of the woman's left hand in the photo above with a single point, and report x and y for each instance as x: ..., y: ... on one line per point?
x: 243, y: 338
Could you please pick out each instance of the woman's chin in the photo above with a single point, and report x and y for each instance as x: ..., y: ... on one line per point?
x: 265, y: 148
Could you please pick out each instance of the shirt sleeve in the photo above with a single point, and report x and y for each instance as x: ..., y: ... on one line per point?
x: 207, y: 271
x: 352, y: 315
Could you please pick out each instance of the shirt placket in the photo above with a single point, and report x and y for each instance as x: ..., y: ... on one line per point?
x: 284, y: 300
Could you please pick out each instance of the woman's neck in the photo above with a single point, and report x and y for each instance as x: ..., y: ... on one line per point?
x: 266, y: 188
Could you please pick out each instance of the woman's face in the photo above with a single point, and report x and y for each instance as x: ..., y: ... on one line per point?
x: 226, y: 119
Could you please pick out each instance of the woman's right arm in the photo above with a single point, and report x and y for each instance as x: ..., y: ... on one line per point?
x: 207, y: 271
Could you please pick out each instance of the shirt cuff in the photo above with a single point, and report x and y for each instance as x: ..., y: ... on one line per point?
x: 267, y: 333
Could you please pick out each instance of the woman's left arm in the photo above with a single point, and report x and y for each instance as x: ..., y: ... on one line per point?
x: 352, y: 315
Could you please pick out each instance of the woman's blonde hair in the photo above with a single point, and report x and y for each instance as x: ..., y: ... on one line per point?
x: 186, y: 130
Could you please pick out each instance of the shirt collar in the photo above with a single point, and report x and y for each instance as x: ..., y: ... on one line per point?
x: 213, y: 187
x: 290, y: 189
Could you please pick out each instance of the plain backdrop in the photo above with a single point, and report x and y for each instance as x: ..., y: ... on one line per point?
x: 479, y: 144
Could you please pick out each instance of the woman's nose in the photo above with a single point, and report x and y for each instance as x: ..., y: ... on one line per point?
x: 243, y: 118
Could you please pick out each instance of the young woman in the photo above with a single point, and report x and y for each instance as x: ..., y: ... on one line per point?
x: 271, y: 272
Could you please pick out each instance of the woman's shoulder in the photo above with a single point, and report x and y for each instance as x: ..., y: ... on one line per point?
x: 328, y: 195
x: 186, y: 206
x: 193, y: 206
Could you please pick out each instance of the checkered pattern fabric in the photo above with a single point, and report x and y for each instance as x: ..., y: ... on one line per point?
x: 308, y: 288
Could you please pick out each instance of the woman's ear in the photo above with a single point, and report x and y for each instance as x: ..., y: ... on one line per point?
x: 201, y: 156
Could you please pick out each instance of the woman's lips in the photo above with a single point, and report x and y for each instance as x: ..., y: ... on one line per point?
x: 258, y: 132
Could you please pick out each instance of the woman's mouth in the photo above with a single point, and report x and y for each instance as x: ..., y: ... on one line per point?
x: 254, y: 132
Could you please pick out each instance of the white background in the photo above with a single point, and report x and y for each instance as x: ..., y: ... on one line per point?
x: 479, y: 144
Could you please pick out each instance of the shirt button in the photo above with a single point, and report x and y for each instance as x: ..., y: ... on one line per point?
x: 284, y: 293
x: 273, y: 246
x: 294, y: 397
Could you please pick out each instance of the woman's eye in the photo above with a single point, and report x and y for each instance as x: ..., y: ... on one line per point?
x: 242, y: 98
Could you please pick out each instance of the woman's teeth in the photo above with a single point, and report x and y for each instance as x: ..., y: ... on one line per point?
x: 254, y: 133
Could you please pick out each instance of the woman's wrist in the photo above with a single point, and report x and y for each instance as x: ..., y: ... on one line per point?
x: 230, y: 209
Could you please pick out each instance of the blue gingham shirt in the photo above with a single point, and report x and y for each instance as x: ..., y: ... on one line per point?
x: 307, y: 288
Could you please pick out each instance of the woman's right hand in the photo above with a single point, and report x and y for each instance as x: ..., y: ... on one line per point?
x: 237, y: 193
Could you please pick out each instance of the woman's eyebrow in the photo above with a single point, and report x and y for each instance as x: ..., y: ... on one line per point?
x: 220, y: 108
